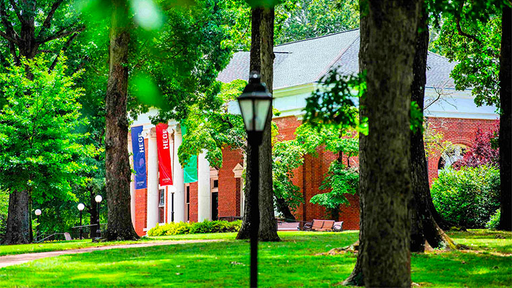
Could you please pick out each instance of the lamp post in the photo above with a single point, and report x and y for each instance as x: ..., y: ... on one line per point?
x: 255, y: 103
x: 38, y: 213
x: 98, y: 199
x: 80, y: 207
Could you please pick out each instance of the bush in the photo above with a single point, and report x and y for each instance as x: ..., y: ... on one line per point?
x: 195, y: 228
x: 467, y: 197
x: 494, y: 221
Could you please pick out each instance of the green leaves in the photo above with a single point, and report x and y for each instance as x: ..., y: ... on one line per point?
x: 333, y: 102
x: 39, y: 149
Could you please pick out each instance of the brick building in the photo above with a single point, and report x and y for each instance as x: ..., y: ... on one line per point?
x: 297, y: 68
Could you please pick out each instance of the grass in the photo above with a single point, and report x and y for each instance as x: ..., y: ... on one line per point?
x: 77, y: 244
x: 294, y: 262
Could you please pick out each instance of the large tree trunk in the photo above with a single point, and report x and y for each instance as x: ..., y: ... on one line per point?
x: 261, y: 60
x: 268, y: 224
x: 19, y: 224
x: 356, y: 278
x: 118, y: 171
x: 255, y: 65
x: 386, y: 183
x: 505, y: 139
x: 424, y: 226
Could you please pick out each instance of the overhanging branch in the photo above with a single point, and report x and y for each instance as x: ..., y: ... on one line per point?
x: 48, y: 20
x: 63, y: 33
x: 8, y: 37
x: 17, y: 10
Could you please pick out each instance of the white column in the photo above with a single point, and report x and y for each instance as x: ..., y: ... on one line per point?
x: 152, y: 205
x: 179, y: 185
x: 132, y: 181
x: 204, y: 201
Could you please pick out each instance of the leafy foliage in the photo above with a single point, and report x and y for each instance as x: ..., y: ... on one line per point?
x: 287, y: 156
x: 215, y: 128
x: 302, y: 19
x: 4, y: 205
x: 482, y: 152
x: 39, y: 149
x: 467, y: 197
x: 494, y: 221
x: 176, y: 228
x: 471, y: 35
x: 339, y: 181
x: 333, y: 101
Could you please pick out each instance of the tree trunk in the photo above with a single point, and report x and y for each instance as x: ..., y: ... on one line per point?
x: 387, y: 191
x: 118, y: 171
x: 505, y: 139
x: 255, y: 65
x: 356, y: 278
x: 282, y: 207
x: 268, y: 223
x: 19, y: 224
x: 261, y: 60
x: 424, y: 226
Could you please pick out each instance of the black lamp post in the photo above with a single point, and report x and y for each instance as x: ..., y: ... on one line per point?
x: 98, y: 199
x: 38, y: 213
x: 80, y: 207
x: 255, y: 103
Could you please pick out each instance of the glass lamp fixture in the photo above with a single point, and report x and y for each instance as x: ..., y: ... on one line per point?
x: 255, y: 104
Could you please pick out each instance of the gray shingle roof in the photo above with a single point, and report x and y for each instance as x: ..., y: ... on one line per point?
x: 305, y: 61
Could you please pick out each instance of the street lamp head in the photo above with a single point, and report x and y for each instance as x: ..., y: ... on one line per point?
x: 81, y: 206
x: 98, y: 198
x: 255, y: 103
x: 37, y: 212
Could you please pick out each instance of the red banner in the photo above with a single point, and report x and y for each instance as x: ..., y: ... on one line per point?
x: 164, y: 154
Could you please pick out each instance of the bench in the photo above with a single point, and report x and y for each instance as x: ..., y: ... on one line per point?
x: 287, y: 226
x: 320, y: 225
x: 338, y: 226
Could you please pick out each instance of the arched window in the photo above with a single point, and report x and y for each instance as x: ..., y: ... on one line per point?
x: 451, y: 155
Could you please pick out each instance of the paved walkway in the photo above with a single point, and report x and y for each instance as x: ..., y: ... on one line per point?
x: 10, y: 260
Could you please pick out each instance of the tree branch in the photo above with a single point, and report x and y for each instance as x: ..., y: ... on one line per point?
x: 64, y: 48
x: 9, y: 30
x: 48, y: 20
x: 63, y: 33
x: 462, y: 33
x: 8, y: 37
x: 16, y: 10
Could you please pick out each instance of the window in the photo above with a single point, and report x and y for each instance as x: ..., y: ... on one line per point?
x: 216, y: 183
x: 188, y: 203
x: 161, y: 206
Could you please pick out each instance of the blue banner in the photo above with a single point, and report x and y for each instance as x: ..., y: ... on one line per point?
x: 139, y: 157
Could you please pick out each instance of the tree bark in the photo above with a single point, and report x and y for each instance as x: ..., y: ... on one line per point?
x: 268, y: 223
x: 261, y: 60
x: 356, y: 278
x: 255, y: 65
x: 19, y: 224
x: 117, y: 166
x: 424, y: 226
x: 385, y: 170
x: 505, y: 139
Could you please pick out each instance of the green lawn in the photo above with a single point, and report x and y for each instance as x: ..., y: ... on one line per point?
x: 77, y: 244
x: 291, y: 263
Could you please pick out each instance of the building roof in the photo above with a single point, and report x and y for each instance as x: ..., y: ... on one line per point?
x: 306, y: 61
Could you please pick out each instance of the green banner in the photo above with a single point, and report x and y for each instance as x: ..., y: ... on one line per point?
x: 190, y: 169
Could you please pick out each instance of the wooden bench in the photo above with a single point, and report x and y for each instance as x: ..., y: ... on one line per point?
x: 287, y: 226
x: 322, y: 225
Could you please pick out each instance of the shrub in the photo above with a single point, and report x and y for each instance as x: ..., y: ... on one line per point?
x: 467, y: 197
x: 195, y: 228
x: 494, y: 221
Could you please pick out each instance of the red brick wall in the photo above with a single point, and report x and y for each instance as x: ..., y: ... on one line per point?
x: 227, y: 183
x: 457, y: 131
x: 193, y: 202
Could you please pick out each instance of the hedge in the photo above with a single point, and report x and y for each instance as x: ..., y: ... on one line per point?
x: 195, y: 228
